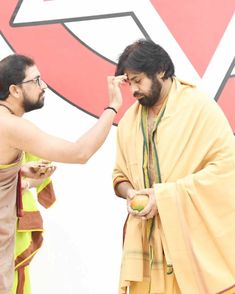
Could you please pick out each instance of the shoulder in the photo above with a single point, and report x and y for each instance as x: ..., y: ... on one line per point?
x: 199, y: 104
x: 193, y: 97
x: 192, y: 103
x: 131, y: 115
x: 12, y: 125
x: 5, y: 121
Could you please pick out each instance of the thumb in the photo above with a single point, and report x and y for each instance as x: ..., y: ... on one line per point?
x: 131, y: 193
x: 143, y: 191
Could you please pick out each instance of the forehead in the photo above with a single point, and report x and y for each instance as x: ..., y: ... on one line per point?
x: 31, y: 72
x: 134, y: 75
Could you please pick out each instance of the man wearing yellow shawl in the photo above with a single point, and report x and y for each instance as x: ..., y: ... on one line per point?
x: 175, y: 145
x: 28, y: 239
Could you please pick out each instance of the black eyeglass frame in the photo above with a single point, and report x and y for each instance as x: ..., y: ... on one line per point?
x: 37, y: 80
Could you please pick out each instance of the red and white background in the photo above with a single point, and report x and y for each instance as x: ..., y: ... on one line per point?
x: 76, y: 45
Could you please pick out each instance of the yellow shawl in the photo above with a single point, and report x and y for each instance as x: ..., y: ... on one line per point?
x: 196, y: 199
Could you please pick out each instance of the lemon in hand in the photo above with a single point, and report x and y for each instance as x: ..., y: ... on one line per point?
x: 139, y: 202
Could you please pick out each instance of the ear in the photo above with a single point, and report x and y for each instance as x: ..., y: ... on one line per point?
x: 162, y: 75
x: 14, y: 90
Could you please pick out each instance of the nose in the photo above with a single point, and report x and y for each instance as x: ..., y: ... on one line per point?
x: 134, y: 88
x: 43, y: 85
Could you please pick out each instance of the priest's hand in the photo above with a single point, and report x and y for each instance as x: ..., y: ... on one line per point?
x: 37, y: 169
x: 115, y: 94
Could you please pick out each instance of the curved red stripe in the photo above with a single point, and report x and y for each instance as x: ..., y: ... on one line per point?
x: 66, y: 65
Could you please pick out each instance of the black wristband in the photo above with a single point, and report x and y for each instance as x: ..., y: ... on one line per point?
x: 109, y: 107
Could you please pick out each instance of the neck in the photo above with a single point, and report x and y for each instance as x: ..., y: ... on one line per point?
x: 13, y: 109
x: 8, y: 108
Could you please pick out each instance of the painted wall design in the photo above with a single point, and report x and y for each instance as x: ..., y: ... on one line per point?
x: 76, y: 45
x: 82, y: 42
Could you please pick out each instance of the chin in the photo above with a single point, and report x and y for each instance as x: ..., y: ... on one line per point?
x: 143, y: 101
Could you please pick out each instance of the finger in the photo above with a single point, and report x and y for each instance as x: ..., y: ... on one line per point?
x: 152, y: 213
x: 38, y: 168
x: 52, y: 168
x: 119, y: 80
x: 148, y: 208
x: 141, y: 217
x: 131, y: 211
x: 50, y: 171
x: 44, y: 161
x: 121, y: 77
x: 131, y: 196
x: 42, y: 170
x: 143, y: 191
x: 110, y: 80
x: 34, y: 169
x: 134, y: 213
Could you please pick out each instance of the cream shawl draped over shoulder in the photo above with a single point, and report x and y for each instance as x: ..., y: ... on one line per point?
x: 195, y: 227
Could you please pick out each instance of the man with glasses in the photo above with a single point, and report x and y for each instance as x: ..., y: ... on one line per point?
x: 22, y: 90
x: 32, y: 106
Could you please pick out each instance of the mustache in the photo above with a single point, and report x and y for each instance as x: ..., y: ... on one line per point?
x: 42, y: 93
x: 138, y: 95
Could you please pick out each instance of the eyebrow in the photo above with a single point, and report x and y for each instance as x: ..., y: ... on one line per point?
x: 133, y: 78
x: 34, y: 78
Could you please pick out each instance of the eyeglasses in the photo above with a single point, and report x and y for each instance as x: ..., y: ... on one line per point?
x: 38, y: 81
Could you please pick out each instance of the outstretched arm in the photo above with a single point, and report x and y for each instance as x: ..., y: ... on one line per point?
x: 21, y: 134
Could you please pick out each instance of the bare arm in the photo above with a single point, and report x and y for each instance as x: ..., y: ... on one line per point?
x: 125, y: 190
x: 23, y: 135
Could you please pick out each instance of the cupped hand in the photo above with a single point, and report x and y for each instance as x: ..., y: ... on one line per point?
x: 38, y: 169
x: 150, y: 209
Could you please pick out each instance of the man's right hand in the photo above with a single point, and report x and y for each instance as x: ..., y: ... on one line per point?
x: 115, y: 95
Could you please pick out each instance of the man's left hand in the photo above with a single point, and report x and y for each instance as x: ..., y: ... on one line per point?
x: 37, y: 169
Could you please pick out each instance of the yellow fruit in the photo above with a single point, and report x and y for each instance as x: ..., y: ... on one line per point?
x: 139, y: 202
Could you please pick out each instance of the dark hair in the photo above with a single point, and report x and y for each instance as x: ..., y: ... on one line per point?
x: 147, y: 57
x: 12, y: 72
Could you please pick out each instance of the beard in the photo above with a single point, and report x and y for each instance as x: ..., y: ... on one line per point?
x: 154, y: 94
x: 29, y: 105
